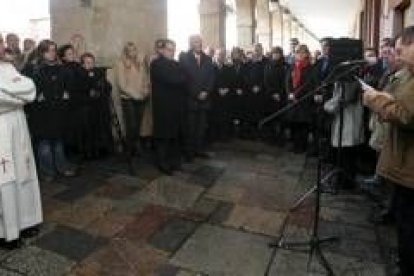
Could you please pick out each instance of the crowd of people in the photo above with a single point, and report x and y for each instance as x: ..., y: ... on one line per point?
x: 174, y: 108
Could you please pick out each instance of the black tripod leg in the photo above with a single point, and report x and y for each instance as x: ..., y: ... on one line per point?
x: 323, y: 261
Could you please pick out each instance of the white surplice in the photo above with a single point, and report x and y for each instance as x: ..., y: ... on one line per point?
x: 20, y: 202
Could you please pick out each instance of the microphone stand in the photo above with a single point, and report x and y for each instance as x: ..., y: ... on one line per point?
x: 315, y: 241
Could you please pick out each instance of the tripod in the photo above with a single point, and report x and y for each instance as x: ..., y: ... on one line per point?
x: 116, y: 125
x: 315, y: 242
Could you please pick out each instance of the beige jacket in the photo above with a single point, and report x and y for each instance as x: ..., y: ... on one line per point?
x: 396, y: 162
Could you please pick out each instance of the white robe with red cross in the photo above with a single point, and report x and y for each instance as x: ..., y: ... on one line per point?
x: 20, y: 202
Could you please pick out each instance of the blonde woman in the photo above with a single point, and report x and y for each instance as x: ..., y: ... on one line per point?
x: 131, y: 85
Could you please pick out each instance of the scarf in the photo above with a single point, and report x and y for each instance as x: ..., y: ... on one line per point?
x: 297, y: 71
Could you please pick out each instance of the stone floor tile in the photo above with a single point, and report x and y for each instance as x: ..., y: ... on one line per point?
x: 254, y: 219
x: 169, y: 192
x: 82, y: 212
x: 33, y: 261
x: 125, y: 258
x: 295, y: 264
x: 205, y: 176
x: 9, y: 272
x: 204, y: 207
x: 116, y: 191
x: 345, y: 216
x: 172, y: 235
x: 145, y: 224
x: 71, y: 243
x: 221, y: 213
x: 109, y: 225
x: 214, y: 249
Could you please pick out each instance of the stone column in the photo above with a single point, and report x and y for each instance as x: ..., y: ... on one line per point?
x: 245, y: 23
x: 287, y: 29
x: 264, y: 26
x: 104, y: 26
x: 213, y: 23
x: 295, y: 29
x: 277, y: 27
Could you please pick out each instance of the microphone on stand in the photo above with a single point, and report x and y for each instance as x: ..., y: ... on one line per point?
x: 353, y: 62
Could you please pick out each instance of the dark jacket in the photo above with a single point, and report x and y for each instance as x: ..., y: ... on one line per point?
x: 224, y: 80
x: 168, y: 98
x: 304, y: 111
x: 255, y: 78
x: 47, y: 114
x: 275, y: 83
x: 324, y: 68
x: 199, y: 79
x: 240, y: 88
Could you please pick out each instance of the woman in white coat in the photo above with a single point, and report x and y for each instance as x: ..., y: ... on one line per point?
x: 20, y: 203
x: 353, y: 134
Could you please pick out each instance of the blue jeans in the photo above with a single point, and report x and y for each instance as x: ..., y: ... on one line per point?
x: 51, y: 157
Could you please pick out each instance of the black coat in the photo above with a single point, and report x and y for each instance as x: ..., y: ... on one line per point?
x: 255, y: 77
x: 75, y: 83
x: 168, y: 98
x: 224, y: 80
x: 304, y: 111
x: 275, y: 83
x: 239, y: 103
x: 199, y: 78
x: 48, y: 113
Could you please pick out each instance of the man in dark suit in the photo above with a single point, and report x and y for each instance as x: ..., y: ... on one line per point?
x: 200, y: 84
x: 168, y: 101
x: 220, y: 117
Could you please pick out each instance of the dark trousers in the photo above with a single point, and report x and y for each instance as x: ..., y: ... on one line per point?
x: 300, y: 133
x: 133, y: 111
x: 220, y: 127
x: 196, y: 131
x: 168, y: 153
x: 404, y: 212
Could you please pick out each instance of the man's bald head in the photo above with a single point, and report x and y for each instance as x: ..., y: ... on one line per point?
x: 196, y: 43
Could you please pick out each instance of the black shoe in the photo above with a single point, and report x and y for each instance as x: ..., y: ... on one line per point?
x: 188, y: 158
x: 30, y: 232
x: 11, y: 245
x: 202, y: 155
x: 46, y: 178
x: 165, y: 170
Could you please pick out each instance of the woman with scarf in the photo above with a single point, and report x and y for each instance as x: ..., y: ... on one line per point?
x: 132, y: 87
x: 302, y: 79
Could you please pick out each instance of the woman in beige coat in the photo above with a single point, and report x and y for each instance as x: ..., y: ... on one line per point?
x: 131, y: 90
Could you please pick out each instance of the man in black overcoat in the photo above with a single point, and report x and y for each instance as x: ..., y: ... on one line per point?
x: 200, y: 75
x: 168, y: 101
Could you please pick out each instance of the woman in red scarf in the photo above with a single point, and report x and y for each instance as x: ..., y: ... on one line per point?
x: 302, y: 79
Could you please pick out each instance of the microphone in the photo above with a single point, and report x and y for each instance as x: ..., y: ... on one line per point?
x: 353, y: 62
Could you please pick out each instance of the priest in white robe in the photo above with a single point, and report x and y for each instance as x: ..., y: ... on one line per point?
x: 20, y: 202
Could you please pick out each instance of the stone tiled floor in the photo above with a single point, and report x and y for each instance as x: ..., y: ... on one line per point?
x: 214, y: 218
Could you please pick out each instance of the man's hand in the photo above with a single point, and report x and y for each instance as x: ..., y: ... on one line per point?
x: 370, y: 95
x: 203, y: 96
x: 276, y: 97
x: 239, y: 92
x: 292, y: 97
x: 256, y: 89
x: 223, y: 91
